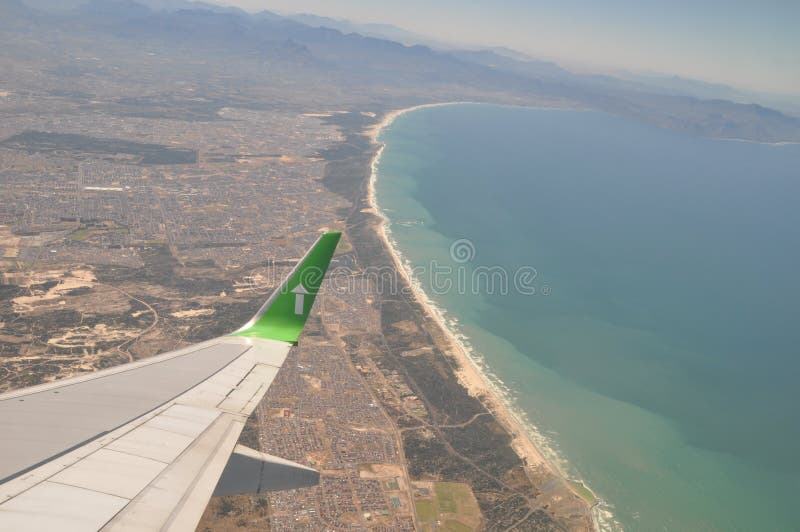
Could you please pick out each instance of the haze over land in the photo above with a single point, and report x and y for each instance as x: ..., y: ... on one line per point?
x: 164, y: 163
x: 366, y: 66
x: 748, y: 43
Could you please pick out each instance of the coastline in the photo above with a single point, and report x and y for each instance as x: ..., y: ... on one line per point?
x: 470, y: 374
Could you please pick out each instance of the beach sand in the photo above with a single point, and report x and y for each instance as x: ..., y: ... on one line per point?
x: 470, y: 374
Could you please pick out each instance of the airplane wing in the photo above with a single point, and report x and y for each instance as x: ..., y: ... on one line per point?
x: 143, y: 446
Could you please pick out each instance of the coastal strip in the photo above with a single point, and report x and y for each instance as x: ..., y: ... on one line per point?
x: 470, y: 373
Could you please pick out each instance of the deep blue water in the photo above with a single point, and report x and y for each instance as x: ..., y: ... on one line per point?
x: 659, y: 354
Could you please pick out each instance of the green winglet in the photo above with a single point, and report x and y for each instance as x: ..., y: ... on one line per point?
x: 284, y: 314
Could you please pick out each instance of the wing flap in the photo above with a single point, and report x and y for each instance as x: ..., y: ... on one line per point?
x: 175, y: 500
x: 245, y: 397
x: 250, y: 472
x: 53, y: 506
x: 112, y: 472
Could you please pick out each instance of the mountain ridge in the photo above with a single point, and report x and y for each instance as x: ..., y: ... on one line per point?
x: 373, y: 63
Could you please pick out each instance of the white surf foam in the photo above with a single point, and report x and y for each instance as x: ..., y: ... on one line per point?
x: 602, y: 511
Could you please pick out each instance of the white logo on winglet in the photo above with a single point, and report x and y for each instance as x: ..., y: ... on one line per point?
x: 300, y: 293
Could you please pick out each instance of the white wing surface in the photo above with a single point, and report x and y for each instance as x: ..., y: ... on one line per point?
x: 142, y: 446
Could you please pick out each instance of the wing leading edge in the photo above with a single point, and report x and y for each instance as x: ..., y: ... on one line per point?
x: 142, y: 446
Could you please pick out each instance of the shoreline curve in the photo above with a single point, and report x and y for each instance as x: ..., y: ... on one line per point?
x: 470, y: 374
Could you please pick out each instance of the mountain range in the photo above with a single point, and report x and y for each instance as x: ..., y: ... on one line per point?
x: 360, y: 58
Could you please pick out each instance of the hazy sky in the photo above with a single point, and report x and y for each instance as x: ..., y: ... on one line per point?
x: 752, y: 44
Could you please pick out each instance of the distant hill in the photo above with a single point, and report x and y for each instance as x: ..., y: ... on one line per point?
x: 378, y: 31
x: 386, y: 70
x: 525, y: 67
x: 505, y: 58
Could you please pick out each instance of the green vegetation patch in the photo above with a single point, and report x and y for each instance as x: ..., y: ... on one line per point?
x: 83, y: 145
x: 456, y: 526
x: 426, y: 509
x: 583, y: 492
x: 452, y: 504
x: 452, y: 496
x: 447, y: 499
x: 80, y: 235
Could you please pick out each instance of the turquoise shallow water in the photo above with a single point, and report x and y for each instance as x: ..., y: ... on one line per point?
x: 658, y: 354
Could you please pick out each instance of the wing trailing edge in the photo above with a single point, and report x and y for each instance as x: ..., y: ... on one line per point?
x: 251, y: 472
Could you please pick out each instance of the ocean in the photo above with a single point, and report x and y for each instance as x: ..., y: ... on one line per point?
x: 632, y: 291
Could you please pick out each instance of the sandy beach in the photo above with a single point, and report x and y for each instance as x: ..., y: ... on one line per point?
x: 470, y: 374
